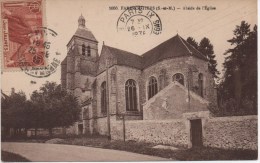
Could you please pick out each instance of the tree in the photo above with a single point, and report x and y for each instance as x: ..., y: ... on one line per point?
x: 14, y: 109
x: 193, y: 42
x: 206, y: 48
x: 240, y: 66
x: 36, y: 111
x: 58, y: 108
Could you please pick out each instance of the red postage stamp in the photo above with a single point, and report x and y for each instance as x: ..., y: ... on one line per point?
x: 22, y: 41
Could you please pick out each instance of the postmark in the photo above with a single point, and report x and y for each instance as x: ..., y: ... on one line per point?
x: 139, y: 21
x: 52, y: 64
x: 21, y: 38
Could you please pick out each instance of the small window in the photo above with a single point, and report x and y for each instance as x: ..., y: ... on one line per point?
x: 88, y: 51
x: 152, y: 87
x: 103, y: 98
x: 179, y: 78
x: 83, y: 49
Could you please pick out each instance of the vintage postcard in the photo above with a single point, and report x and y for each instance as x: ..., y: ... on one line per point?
x: 110, y: 80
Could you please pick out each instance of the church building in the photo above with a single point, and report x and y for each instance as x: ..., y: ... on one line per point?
x: 127, y: 81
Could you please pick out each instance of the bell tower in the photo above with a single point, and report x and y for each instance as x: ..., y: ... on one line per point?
x: 81, y: 59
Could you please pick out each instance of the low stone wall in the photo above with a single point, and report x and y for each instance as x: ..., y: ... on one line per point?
x: 238, y: 132
x: 172, y: 132
x: 44, y: 132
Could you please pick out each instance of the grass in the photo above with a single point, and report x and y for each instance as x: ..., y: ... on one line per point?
x: 183, y: 154
x: 12, y: 157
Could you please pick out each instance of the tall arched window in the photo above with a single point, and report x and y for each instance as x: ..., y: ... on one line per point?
x: 179, y: 78
x: 88, y: 51
x: 200, y: 84
x: 130, y: 95
x: 83, y: 49
x: 103, y: 98
x: 152, y: 87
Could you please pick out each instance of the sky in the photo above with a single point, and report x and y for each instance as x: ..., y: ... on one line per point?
x: 62, y: 17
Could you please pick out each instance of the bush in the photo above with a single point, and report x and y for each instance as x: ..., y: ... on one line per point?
x: 231, y: 107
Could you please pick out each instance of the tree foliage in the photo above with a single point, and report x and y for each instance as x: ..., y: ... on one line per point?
x: 240, y: 71
x: 193, y: 42
x: 58, y: 108
x: 47, y: 108
x: 206, y: 48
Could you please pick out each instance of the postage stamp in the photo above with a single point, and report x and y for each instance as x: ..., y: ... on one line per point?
x: 22, y: 40
x: 139, y: 21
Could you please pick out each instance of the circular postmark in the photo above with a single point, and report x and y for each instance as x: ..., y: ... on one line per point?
x: 39, y: 52
x: 139, y: 21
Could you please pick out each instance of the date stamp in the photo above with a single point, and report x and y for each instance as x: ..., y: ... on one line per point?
x: 139, y: 21
x: 50, y: 67
x: 21, y: 39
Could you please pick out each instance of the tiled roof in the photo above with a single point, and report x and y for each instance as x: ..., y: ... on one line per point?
x: 85, y: 33
x: 174, y: 47
x: 125, y: 58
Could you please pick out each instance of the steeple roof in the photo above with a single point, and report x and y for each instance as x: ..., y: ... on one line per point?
x: 83, y: 32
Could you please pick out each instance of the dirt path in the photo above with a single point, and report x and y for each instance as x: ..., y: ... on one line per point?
x: 56, y: 152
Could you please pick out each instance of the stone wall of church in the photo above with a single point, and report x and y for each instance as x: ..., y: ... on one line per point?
x: 117, y: 75
x: 165, y: 70
x: 210, y: 93
x: 112, y: 102
x: 123, y: 74
x: 84, y: 87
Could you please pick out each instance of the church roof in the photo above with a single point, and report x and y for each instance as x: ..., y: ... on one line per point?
x: 125, y: 58
x: 85, y: 33
x: 174, y: 47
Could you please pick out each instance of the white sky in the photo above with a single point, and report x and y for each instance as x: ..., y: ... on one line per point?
x: 62, y: 17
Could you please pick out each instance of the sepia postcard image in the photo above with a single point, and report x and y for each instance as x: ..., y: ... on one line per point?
x: 121, y: 80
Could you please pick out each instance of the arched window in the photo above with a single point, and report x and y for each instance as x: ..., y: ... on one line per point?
x: 130, y: 95
x: 103, y: 98
x: 83, y: 49
x: 179, y: 78
x: 200, y: 81
x: 152, y: 87
x: 88, y: 51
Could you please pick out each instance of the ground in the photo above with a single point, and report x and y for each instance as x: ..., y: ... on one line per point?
x: 202, y: 153
x: 56, y: 152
